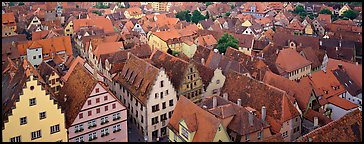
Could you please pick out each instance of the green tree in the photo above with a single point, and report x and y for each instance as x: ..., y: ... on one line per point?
x: 11, y: 4
x: 197, y: 16
x: 20, y: 3
x: 232, y: 6
x: 350, y: 14
x: 77, y: 6
x: 299, y: 9
x: 227, y: 14
x: 208, y: 3
x: 225, y: 41
x: 325, y: 11
x: 184, y: 15
x: 207, y: 16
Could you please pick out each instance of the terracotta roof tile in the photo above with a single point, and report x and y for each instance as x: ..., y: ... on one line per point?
x: 76, y: 90
x: 325, y: 81
x: 342, y: 103
x: 133, y: 11
x: 8, y: 18
x: 326, y: 18
x: 72, y: 67
x: 289, y: 60
x: 257, y: 94
x: 138, y: 77
x: 239, y: 122
x: 345, y: 80
x: 107, y: 47
x: 322, y: 119
x: 300, y: 92
x: 48, y: 46
x: 314, y: 55
x: 102, y: 23
x: 174, y: 67
x: 206, y: 73
x: 353, y: 71
x: 203, y: 123
x: 346, y: 129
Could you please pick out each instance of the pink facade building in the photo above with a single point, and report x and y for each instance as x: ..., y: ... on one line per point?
x: 93, y: 113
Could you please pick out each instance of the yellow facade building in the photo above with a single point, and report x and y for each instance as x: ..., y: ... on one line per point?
x: 30, y: 113
x: 68, y: 31
x: 165, y: 40
x: 343, y: 9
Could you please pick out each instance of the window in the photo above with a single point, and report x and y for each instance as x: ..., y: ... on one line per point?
x: 116, y: 128
x: 155, y: 120
x: 106, y: 108
x: 42, y: 115
x: 164, y: 105
x: 104, y: 120
x: 98, y: 110
x: 114, y: 106
x: 116, y: 116
x: 141, y: 119
x: 89, y: 113
x: 156, y: 95
x: 23, y: 120
x: 161, y: 83
x: 141, y: 108
x: 184, y: 132
x: 191, y: 69
x: 78, y: 128
x: 36, y: 134
x: 79, y: 139
x: 170, y: 114
x: 15, y: 139
x: 247, y: 137
x: 171, y: 102
x: 155, y: 108
x: 104, y: 132
x: 32, y: 102
x: 80, y: 115
x: 97, y: 100
x: 166, y: 92
x: 34, y: 57
x: 97, y: 90
x: 259, y: 135
x: 92, y: 136
x: 217, y: 81
x: 297, y: 118
x: 39, y: 56
x: 89, y: 102
x: 105, y: 98
x: 285, y: 134
x: 54, y: 129
x: 161, y: 95
x: 163, y: 117
x: 91, y: 123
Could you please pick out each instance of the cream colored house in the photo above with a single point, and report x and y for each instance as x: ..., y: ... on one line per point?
x: 343, y: 9
x: 35, y: 21
x: 189, y: 49
x: 31, y: 112
x: 148, y: 94
x: 217, y: 82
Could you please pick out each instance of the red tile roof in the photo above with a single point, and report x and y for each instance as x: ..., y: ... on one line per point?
x: 322, y: 119
x: 346, y: 129
x: 256, y: 94
x: 138, y: 77
x: 76, y: 90
x: 326, y: 18
x: 289, y: 60
x: 325, y: 81
x: 72, y: 66
x: 102, y: 23
x: 342, y: 103
x: 354, y: 71
x: 8, y: 18
x: 203, y: 123
x: 134, y: 11
x: 48, y: 46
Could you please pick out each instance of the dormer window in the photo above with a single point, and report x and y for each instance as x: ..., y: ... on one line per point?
x: 184, y: 132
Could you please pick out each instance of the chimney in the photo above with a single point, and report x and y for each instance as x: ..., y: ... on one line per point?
x: 225, y: 96
x: 264, y: 113
x: 339, y: 43
x: 262, y: 55
x: 204, y: 107
x: 337, y: 48
x: 239, y: 102
x: 215, y: 50
x: 203, y: 61
x: 315, y: 122
x: 320, y: 43
x: 277, y: 51
x: 214, y: 102
x: 65, y: 98
x: 356, y: 63
x: 251, y: 118
x: 128, y: 55
x: 251, y: 58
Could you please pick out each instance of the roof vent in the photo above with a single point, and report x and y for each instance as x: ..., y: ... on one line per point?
x: 340, y: 66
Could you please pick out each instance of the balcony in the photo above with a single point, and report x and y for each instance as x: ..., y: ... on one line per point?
x: 91, y: 126
x: 79, y: 130
x: 104, y: 122
x: 117, y: 118
x: 106, y: 134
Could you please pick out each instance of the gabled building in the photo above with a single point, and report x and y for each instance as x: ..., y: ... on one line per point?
x: 242, y: 123
x: 8, y: 20
x: 45, y: 50
x: 292, y: 65
x: 148, y: 94
x: 195, y: 124
x: 184, y: 75
x: 93, y: 113
x: 51, y: 76
x: 133, y: 12
x: 30, y: 110
x: 281, y: 113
